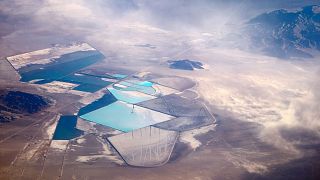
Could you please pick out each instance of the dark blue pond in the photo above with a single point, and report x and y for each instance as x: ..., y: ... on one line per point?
x: 62, y: 66
x: 87, y: 83
x: 97, y: 75
x: 185, y: 64
x: 102, y: 74
x: 66, y: 128
x: 88, y: 88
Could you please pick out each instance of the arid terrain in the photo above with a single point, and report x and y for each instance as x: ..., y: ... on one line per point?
x: 163, y: 90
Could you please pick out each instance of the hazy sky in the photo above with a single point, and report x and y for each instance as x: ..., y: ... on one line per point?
x: 166, y: 14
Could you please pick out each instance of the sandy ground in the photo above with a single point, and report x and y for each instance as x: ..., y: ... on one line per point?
x: 189, y: 136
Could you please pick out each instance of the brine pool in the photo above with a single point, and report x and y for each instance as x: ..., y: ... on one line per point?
x: 132, y: 97
x: 135, y: 85
x: 66, y: 128
x: 125, y: 117
x: 63, y: 66
x: 116, y: 109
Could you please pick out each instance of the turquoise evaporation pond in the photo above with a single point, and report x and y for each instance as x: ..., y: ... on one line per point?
x: 141, y: 86
x: 140, y: 83
x: 63, y: 66
x: 121, y: 116
x: 105, y: 100
x: 119, y: 76
x: 131, y: 97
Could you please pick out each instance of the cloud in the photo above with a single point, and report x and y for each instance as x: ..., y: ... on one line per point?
x: 308, y: 111
x: 281, y: 96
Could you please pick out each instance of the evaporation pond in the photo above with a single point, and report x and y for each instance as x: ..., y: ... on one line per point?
x: 66, y: 128
x: 141, y: 86
x: 87, y: 83
x: 132, y: 97
x: 119, y: 76
x: 105, y: 100
x: 125, y: 117
x: 61, y: 67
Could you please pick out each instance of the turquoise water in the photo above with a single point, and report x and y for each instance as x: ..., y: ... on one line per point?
x: 57, y: 70
x: 119, y: 76
x: 135, y: 85
x: 104, y: 101
x: 146, y: 83
x: 120, y: 116
x: 66, y: 128
x: 129, y: 97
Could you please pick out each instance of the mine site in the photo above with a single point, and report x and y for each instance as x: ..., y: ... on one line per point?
x: 80, y: 115
x: 169, y: 90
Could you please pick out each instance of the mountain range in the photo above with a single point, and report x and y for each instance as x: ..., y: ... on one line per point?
x: 283, y: 33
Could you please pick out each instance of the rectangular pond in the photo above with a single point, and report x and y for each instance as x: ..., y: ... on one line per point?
x: 136, y: 85
x: 132, y: 97
x: 66, y: 128
x: 62, y: 66
x: 125, y: 117
x: 86, y: 83
x: 105, y: 100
